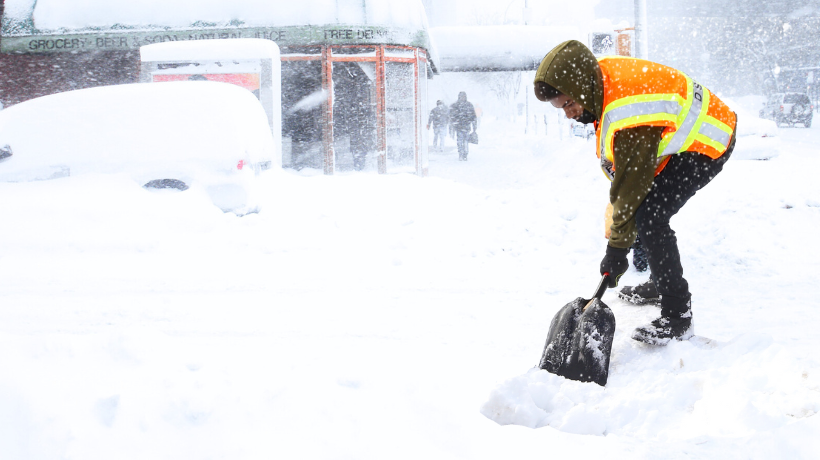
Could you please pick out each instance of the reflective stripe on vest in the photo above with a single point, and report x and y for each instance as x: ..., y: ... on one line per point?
x: 688, y: 119
x: 694, y: 110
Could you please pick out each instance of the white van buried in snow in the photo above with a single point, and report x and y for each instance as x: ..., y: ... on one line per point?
x: 177, y: 134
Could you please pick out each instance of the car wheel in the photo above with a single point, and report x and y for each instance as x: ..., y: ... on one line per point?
x: 167, y: 183
x: 807, y: 123
x: 5, y: 152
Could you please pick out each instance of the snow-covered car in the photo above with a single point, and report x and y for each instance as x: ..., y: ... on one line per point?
x: 788, y: 108
x: 209, y: 135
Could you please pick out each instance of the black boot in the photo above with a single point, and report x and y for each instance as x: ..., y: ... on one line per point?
x: 643, y: 294
x: 672, y: 325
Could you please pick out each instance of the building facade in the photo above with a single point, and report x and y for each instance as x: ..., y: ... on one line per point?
x: 353, y: 95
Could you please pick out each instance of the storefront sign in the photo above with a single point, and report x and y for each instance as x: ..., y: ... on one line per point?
x: 283, y: 36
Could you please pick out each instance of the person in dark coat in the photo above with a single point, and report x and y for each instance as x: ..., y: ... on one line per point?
x: 463, y: 120
x: 354, y: 110
x: 440, y: 119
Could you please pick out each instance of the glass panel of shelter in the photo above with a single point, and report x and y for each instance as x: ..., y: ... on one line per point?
x: 354, y: 104
x: 400, y: 116
x: 303, y: 103
x: 354, y: 115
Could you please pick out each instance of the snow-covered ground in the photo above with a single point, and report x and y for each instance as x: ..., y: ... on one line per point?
x: 362, y: 316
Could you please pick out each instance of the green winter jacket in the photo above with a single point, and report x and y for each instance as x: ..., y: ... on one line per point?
x: 572, y: 69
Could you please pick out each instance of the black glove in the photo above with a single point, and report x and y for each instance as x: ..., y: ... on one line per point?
x: 615, y: 264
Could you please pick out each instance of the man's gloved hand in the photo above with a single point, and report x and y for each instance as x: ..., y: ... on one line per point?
x: 615, y: 264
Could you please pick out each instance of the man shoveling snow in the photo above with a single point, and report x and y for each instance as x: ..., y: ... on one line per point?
x: 661, y: 137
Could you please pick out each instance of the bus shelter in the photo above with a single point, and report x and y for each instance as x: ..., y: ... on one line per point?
x: 355, y: 107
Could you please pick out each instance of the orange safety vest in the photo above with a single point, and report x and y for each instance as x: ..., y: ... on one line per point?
x: 643, y: 93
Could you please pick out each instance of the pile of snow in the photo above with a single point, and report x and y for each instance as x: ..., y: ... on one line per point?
x: 201, y: 50
x: 758, y: 136
x: 747, y: 109
x: 58, y: 14
x: 196, y: 132
x: 685, y: 388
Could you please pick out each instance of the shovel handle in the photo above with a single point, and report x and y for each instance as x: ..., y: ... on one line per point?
x: 601, y: 286
x: 600, y: 291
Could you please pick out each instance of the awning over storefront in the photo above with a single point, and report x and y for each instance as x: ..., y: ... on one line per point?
x: 29, y: 26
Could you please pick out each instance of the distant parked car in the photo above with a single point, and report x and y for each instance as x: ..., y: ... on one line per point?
x: 788, y: 108
x: 206, y: 135
x: 582, y: 130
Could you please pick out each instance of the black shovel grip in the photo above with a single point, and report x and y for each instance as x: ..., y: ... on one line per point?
x: 600, y: 290
x: 601, y: 286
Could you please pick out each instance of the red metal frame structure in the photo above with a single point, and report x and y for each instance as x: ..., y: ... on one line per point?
x: 328, y: 57
x: 381, y: 111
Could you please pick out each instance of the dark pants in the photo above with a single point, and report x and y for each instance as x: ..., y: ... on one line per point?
x: 461, y: 141
x: 683, y: 176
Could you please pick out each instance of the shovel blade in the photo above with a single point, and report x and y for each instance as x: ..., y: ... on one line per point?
x: 559, y: 339
x: 579, y: 342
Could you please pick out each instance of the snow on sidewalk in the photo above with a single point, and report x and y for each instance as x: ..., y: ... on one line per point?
x: 366, y: 316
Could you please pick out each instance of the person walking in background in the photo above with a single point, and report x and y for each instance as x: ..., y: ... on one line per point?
x: 440, y: 119
x: 463, y: 119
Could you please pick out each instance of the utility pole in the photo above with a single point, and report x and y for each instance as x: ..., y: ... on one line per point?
x: 527, y: 16
x: 527, y: 13
x: 641, y: 43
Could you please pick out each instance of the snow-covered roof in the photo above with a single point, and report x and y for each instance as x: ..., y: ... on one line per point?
x: 513, y: 47
x: 103, y: 14
x: 200, y: 50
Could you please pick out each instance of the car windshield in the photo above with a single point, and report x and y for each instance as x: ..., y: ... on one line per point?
x: 793, y: 98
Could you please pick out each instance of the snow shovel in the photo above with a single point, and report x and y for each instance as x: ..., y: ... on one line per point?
x: 580, y: 339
